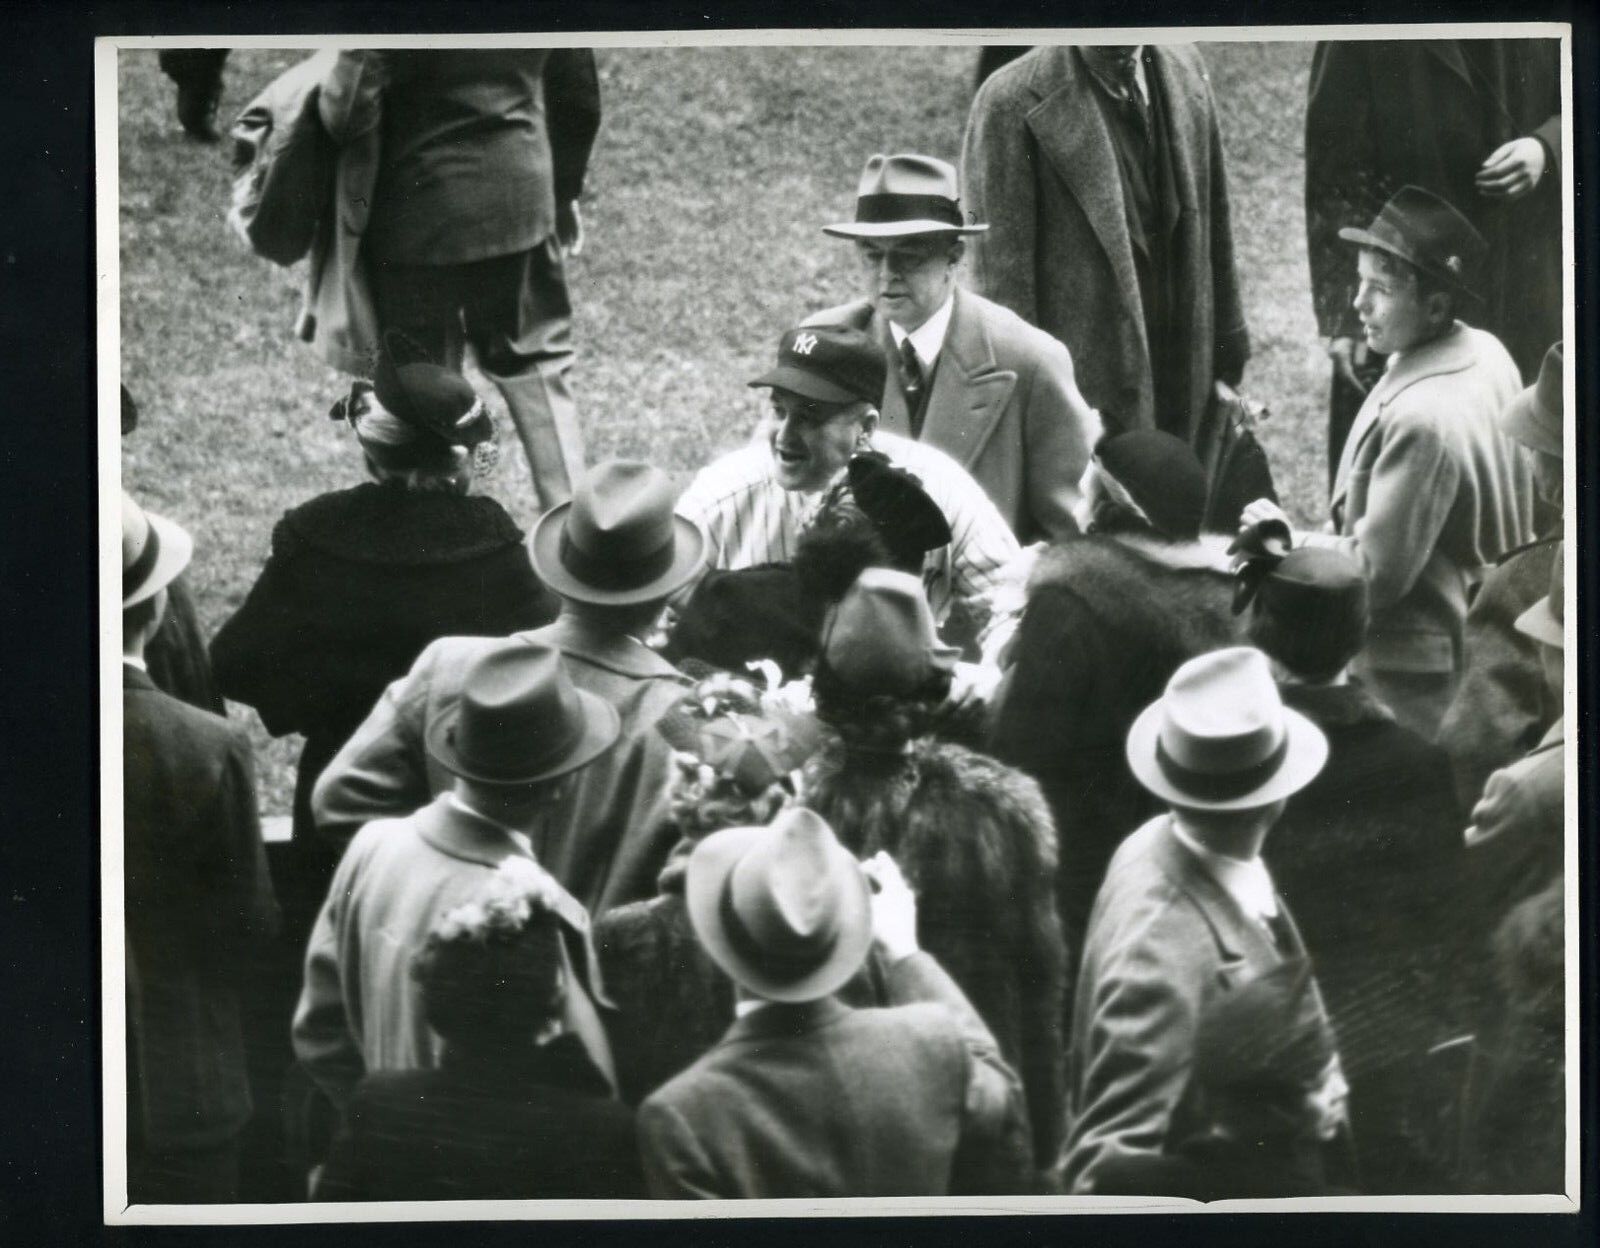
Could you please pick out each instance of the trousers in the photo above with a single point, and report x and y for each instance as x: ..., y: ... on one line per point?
x: 514, y: 312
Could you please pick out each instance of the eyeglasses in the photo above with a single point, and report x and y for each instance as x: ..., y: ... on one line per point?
x: 898, y: 259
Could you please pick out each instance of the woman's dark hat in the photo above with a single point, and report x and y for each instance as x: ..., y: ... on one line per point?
x: 427, y: 396
x: 903, y: 195
x: 1534, y: 418
x: 617, y: 541
x: 828, y: 363
x: 880, y: 638
x: 784, y: 910
x: 521, y: 720
x: 894, y: 500
x: 1161, y: 474
x: 1318, y: 602
x: 1268, y: 1032
x: 1427, y: 233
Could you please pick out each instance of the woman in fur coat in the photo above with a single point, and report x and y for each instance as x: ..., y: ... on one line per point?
x: 973, y: 836
x: 1109, y: 617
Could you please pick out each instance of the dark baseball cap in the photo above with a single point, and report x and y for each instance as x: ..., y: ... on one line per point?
x: 832, y: 363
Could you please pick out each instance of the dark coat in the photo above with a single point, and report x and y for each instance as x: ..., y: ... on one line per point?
x: 1428, y: 112
x: 1037, y: 164
x: 176, y: 656
x: 977, y: 845
x: 1106, y: 623
x: 544, y: 1129
x: 738, y: 615
x: 1210, y: 1167
x: 198, y: 902
x: 358, y: 583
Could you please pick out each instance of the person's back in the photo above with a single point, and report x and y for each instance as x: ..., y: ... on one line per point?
x: 466, y: 170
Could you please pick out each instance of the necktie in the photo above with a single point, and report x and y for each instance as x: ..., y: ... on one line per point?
x: 911, y: 383
x: 1128, y: 77
x: 1282, y: 933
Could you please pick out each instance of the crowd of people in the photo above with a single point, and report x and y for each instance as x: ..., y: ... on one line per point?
x: 975, y: 784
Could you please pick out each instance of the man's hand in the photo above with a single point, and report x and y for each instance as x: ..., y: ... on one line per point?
x: 894, y: 908
x: 1347, y: 354
x: 1263, y: 509
x: 569, y: 228
x: 1512, y: 170
x: 971, y: 687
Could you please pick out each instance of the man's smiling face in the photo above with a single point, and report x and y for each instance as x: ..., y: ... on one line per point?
x: 812, y: 440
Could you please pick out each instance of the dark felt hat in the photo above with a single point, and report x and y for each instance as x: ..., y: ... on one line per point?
x: 1534, y: 418
x: 880, y: 638
x: 617, y: 541
x: 427, y: 396
x: 521, y: 720
x: 903, y: 195
x: 894, y: 500
x: 1429, y: 234
x: 1161, y: 474
x: 1314, y: 604
x: 829, y: 363
x: 1269, y: 1031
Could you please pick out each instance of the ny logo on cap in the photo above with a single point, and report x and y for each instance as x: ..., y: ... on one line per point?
x: 803, y: 344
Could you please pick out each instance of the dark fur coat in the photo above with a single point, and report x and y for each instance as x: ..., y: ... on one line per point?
x: 977, y: 845
x: 1107, y: 622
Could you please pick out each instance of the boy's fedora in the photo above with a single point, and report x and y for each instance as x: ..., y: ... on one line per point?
x: 785, y: 910
x: 1220, y: 737
x: 521, y: 720
x: 617, y: 541
x: 1429, y: 234
x: 903, y: 195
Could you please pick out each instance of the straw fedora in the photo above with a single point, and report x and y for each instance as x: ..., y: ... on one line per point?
x: 784, y: 910
x: 521, y: 720
x: 902, y: 195
x: 154, y: 551
x: 1220, y: 737
x: 617, y: 541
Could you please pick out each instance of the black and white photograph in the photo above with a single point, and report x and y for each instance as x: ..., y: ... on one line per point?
x: 821, y: 617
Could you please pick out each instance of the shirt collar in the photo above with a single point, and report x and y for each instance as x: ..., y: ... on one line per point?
x: 745, y: 1006
x: 136, y: 661
x: 520, y: 838
x: 928, y: 338
x: 1247, y: 882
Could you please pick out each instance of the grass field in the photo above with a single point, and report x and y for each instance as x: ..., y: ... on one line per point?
x: 712, y: 172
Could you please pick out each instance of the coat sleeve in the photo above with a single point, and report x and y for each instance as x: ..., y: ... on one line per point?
x: 1136, y: 1041
x: 999, y: 164
x: 322, y: 1033
x: 233, y: 884
x: 256, y: 654
x: 1409, y: 495
x: 382, y: 771
x: 1231, y: 350
x: 572, y: 116
x: 1059, y: 433
x: 676, y: 1167
x: 349, y: 99
x: 994, y: 1155
x: 1341, y: 181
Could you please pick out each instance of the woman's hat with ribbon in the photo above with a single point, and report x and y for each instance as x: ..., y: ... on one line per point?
x: 1220, y: 737
x: 430, y: 398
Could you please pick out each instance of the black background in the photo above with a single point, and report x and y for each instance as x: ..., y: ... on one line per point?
x: 50, y: 1121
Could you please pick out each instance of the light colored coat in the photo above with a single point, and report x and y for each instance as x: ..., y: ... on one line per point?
x: 1004, y: 405
x: 1037, y: 164
x: 1163, y: 937
x: 607, y: 840
x: 1429, y: 493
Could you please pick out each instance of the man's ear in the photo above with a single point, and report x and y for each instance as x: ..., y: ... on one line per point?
x: 958, y: 249
x: 1441, y: 309
x: 869, y: 421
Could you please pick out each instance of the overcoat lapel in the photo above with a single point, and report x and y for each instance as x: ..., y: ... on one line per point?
x: 1448, y: 52
x: 970, y: 391
x: 1182, y: 117
x: 1244, y: 946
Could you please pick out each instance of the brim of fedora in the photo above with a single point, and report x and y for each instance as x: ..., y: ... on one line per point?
x: 898, y: 229
x: 1525, y: 420
x: 710, y: 865
x: 602, y: 727
x: 1540, y: 623
x: 173, y: 553
x: 808, y: 386
x: 1307, y: 752
x: 1364, y: 238
x: 544, y: 549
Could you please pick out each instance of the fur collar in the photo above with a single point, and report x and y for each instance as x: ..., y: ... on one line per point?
x: 384, y: 523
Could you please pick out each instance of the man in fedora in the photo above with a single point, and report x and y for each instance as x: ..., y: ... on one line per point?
x: 1429, y: 491
x: 1501, y: 708
x: 613, y: 554
x: 197, y: 899
x: 826, y: 387
x: 1100, y: 171
x: 1188, y: 908
x: 512, y: 741
x: 970, y: 377
x: 804, y: 1096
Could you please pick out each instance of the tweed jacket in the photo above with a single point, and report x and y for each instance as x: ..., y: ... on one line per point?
x: 1163, y: 937
x: 1429, y: 493
x: 607, y: 839
x: 360, y: 1010
x: 819, y: 1100
x: 1037, y: 164
x: 199, y: 903
x: 1385, y: 113
x: 1004, y: 405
